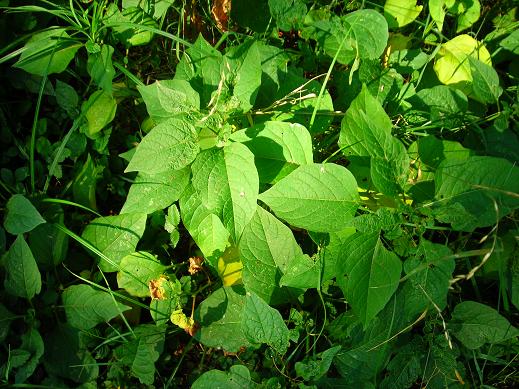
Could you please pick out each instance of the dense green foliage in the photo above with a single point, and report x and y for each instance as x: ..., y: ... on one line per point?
x: 295, y: 193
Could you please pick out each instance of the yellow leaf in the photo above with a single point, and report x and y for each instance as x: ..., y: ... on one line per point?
x: 230, y: 266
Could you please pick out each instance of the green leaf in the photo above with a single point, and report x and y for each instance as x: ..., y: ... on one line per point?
x: 303, y: 272
x: 267, y: 247
x: 115, y: 237
x: 33, y: 344
x: 452, y: 65
x: 151, y: 192
x: 137, y: 270
x: 220, y: 317
x: 256, y: 18
x: 21, y: 215
x: 66, y: 97
x: 206, y: 229
x: 317, y: 197
x: 48, y: 52
x: 437, y: 12
x: 130, y: 36
x: 366, y: 131
x: 485, y: 82
x: 171, y: 292
x: 318, y: 366
x: 373, y: 275
x: 400, y: 13
x: 511, y: 42
x: 227, y: 182
x: 468, y: 12
x: 333, y: 252
x: 363, y: 34
x: 288, y: 14
x: 238, y: 377
x: 244, y: 63
x: 171, y: 145
x: 84, y: 184
x: 202, y: 66
x: 23, y: 278
x: 100, y: 68
x: 405, y: 368
x: 6, y: 317
x: 486, y: 187
x: 445, y: 105
x: 86, y: 307
x: 48, y: 244
x: 278, y: 148
x: 99, y: 111
x: 263, y: 324
x: 475, y: 324
x: 142, y: 351
x: 167, y: 98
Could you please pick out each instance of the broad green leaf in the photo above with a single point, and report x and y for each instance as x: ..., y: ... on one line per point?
x: 66, y: 356
x: 400, y: 13
x: 431, y: 271
x: 151, y: 192
x: 366, y: 131
x: 85, y: 307
x: 303, y: 272
x: 373, y: 275
x: 130, y: 36
x: 167, y: 98
x: 511, y: 42
x: 23, y: 278
x: 84, y: 184
x: 32, y: 343
x: 206, y: 229
x: 100, y: 68
x: 405, y: 368
x: 21, y: 215
x: 244, y: 63
x: 220, y: 317
x: 278, y: 148
x: 6, y: 317
x: 468, y: 12
x: 452, y: 65
x: 202, y: 66
x: 238, y: 377
x: 288, y: 14
x: 99, y: 111
x: 363, y: 34
x: 437, y: 12
x: 445, y: 104
x: 142, y: 351
x: 137, y: 270
x: 318, y: 366
x: 486, y: 187
x: 485, y: 82
x: 316, y: 197
x: 227, y: 182
x: 171, y: 145
x: 273, y: 65
x: 48, y: 244
x: 333, y: 252
x: 475, y: 324
x: 66, y: 97
x: 48, y: 52
x: 263, y: 324
x: 267, y: 248
x: 115, y: 237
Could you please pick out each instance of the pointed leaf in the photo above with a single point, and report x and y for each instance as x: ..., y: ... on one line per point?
x: 23, y: 278
x: 21, y: 215
x: 317, y: 197
x: 137, y: 270
x: 171, y: 145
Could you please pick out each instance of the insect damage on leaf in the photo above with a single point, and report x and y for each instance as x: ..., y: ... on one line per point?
x: 157, y: 291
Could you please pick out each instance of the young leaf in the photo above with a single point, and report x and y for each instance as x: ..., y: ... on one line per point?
x: 475, y: 324
x: 23, y: 278
x: 399, y: 13
x: 171, y: 145
x: 263, y: 324
x: 32, y: 343
x: 99, y: 111
x: 21, y: 215
x: 373, y: 274
x: 100, y: 68
x: 142, y: 351
x: 151, y: 192
x: 84, y: 184
x: 317, y: 197
x: 227, y: 182
x: 303, y: 272
x: 238, y: 377
x: 85, y: 307
x: 167, y: 98
x: 115, y: 237
x: 206, y: 229
x: 267, y: 248
x: 278, y: 148
x: 48, y: 52
x: 220, y: 317
x: 137, y: 270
